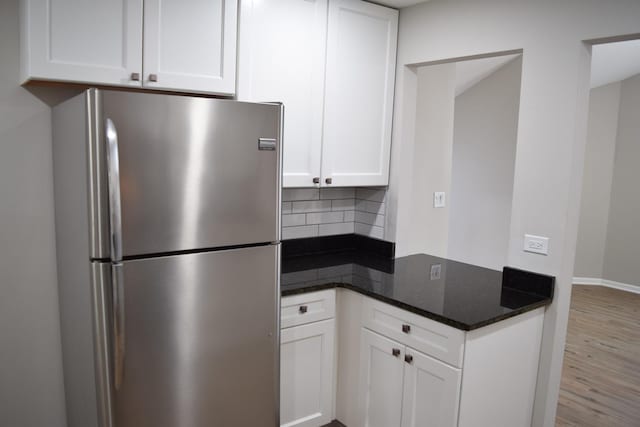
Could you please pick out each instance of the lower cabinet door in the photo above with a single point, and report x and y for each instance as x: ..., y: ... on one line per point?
x: 306, y: 374
x: 431, y: 392
x: 380, y: 384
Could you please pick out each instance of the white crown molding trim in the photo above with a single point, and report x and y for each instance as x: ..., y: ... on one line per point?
x: 593, y: 281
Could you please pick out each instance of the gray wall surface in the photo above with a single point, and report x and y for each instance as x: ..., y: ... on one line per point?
x: 596, y: 182
x: 430, y: 164
x: 622, y: 250
x: 552, y: 129
x: 485, y: 131
x: 31, y: 384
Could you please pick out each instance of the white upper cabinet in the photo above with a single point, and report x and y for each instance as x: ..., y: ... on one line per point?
x: 334, y: 135
x: 360, y: 75
x: 82, y: 41
x: 281, y: 58
x: 188, y: 46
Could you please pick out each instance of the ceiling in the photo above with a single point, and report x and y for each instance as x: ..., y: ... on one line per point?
x: 398, y: 4
x: 612, y: 62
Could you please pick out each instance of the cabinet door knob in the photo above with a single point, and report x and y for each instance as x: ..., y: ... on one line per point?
x: 396, y: 352
x: 408, y: 358
x: 316, y: 180
x: 302, y: 309
x: 153, y: 77
x: 406, y: 329
x: 328, y: 180
x: 135, y: 77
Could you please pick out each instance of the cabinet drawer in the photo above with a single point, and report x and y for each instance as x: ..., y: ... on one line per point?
x: 428, y: 336
x: 307, y: 308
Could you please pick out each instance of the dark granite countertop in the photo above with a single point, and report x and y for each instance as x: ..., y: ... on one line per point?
x: 461, y: 295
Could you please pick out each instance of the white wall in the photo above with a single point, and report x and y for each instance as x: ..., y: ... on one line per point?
x: 484, y: 152
x: 551, y: 130
x: 596, y: 182
x: 31, y: 384
x: 623, y: 233
x: 431, y: 159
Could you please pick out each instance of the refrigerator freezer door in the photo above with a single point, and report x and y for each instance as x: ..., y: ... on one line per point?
x: 193, y: 171
x: 201, y: 340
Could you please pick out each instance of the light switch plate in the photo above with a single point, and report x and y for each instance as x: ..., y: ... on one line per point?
x: 439, y: 199
x: 536, y: 244
x: 436, y: 270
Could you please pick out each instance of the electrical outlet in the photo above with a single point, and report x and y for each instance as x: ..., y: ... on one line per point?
x: 436, y: 269
x: 536, y: 244
x: 439, y: 199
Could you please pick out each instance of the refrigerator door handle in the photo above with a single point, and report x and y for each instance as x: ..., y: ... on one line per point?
x: 115, y: 212
x: 118, y: 323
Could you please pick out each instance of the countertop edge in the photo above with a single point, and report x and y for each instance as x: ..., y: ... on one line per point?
x: 441, y: 319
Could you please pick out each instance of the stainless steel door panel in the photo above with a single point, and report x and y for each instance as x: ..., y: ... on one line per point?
x: 201, y: 340
x: 191, y: 171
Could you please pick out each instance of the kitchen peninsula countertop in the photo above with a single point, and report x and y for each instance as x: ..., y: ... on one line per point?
x: 460, y: 295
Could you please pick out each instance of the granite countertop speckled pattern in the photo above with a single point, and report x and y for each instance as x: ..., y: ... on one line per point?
x: 461, y: 295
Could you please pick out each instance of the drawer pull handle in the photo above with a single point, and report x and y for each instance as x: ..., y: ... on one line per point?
x: 316, y: 180
x: 302, y: 309
x: 406, y: 329
x: 408, y: 358
x: 396, y: 352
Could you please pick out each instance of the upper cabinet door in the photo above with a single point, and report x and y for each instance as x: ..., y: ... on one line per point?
x: 82, y: 41
x: 190, y: 46
x: 281, y: 58
x: 360, y: 75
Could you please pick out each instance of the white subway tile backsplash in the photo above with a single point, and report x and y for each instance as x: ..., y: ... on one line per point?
x: 325, y: 217
x: 343, y: 205
x: 311, y: 212
x: 349, y: 216
x: 369, y: 218
x: 337, y: 193
x: 311, y: 206
x: 369, y: 230
x: 371, y: 207
x: 372, y: 194
x: 293, y: 220
x: 293, y: 194
x: 299, y: 232
x: 338, y: 228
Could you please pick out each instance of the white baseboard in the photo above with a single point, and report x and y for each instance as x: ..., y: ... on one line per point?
x: 593, y: 281
x: 587, y: 281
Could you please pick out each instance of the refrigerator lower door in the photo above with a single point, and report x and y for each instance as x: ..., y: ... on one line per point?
x: 201, y: 342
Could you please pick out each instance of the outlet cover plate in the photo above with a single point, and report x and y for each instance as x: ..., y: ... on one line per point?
x: 536, y: 244
x: 439, y: 199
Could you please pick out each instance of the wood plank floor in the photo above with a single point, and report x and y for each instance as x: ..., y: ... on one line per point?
x: 601, y: 374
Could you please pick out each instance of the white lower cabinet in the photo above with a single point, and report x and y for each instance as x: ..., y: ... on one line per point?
x: 400, y: 386
x: 307, y: 370
x: 431, y: 392
x: 381, y: 378
x: 370, y: 364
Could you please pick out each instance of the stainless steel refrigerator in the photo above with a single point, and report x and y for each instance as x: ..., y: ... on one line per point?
x: 167, y: 223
